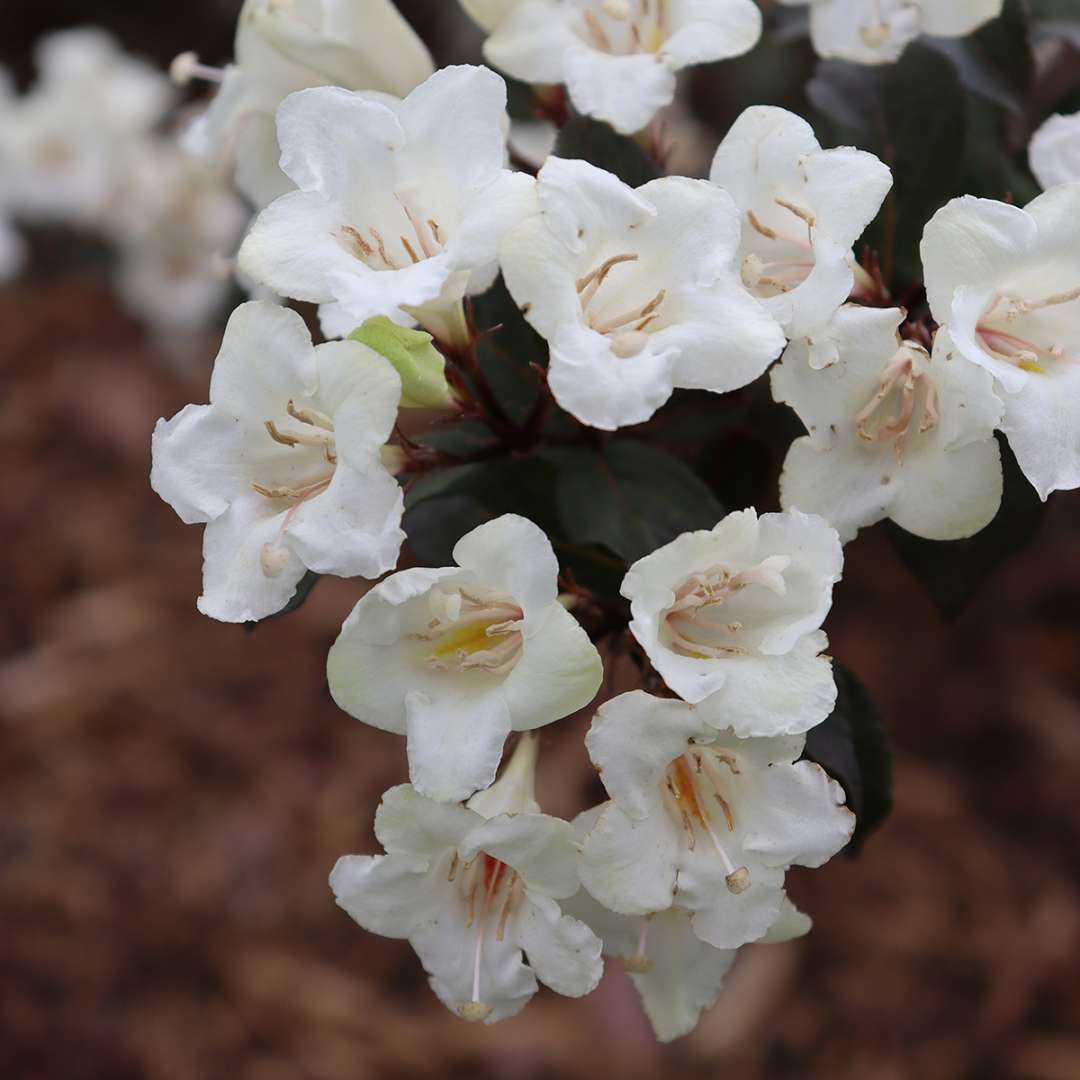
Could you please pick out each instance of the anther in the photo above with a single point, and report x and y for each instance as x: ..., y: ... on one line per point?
x: 474, y: 1011
x: 738, y: 881
x: 187, y: 66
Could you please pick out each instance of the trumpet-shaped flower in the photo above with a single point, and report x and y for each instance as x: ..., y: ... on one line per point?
x: 618, y: 58
x: 1005, y: 282
x: 281, y: 48
x: 733, y: 614
x: 893, y: 432
x: 457, y: 658
x: 801, y: 208
x: 283, y: 465
x: 398, y: 204
x: 1054, y: 152
x: 878, y: 31
x: 636, y: 292
x: 702, y: 821
x: 677, y: 975
x: 472, y: 888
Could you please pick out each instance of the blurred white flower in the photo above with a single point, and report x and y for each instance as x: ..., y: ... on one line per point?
x: 67, y: 143
x: 618, y: 58
x: 636, y: 292
x: 878, y: 31
x: 284, y: 464
x: 400, y: 208
x: 703, y: 821
x: 676, y: 973
x: 1005, y: 282
x: 472, y: 889
x: 457, y: 658
x: 284, y: 47
x: 176, y: 224
x: 802, y: 208
x: 1054, y: 152
x: 893, y: 432
x: 733, y: 614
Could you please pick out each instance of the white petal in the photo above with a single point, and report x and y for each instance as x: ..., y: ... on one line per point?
x: 790, y: 925
x: 959, y: 17
x: 559, y: 672
x: 236, y: 588
x: 498, y: 208
x: 386, y: 894
x: 1054, y: 152
x: 564, y: 953
x: 513, y: 556
x: 798, y: 816
x: 775, y: 695
x: 723, y: 919
x: 455, y: 740
x: 408, y: 823
x: 633, y: 739
x: 360, y: 391
x: 713, y: 30
x: 628, y: 865
x: 625, y: 91
x: 542, y: 849
x: 846, y: 188
x: 530, y: 41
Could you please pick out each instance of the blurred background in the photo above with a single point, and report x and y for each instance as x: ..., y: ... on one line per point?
x: 175, y: 791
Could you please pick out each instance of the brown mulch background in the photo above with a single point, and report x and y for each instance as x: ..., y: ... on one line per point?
x: 173, y: 793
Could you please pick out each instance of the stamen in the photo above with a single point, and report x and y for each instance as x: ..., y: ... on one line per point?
x: 758, y: 227
x: 187, y: 67
x: 639, y: 963
x: 632, y: 316
x: 408, y: 247
x: 366, y: 250
x: 598, y: 275
x: 597, y: 30
x: 307, y: 415
x: 904, y: 373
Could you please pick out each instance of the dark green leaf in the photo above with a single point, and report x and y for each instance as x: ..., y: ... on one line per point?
x: 631, y: 498
x: 459, y: 437
x: 852, y: 746
x: 952, y: 571
x: 600, y: 145
x: 435, y: 525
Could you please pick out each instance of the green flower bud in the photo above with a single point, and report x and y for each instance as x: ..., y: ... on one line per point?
x: 420, y: 365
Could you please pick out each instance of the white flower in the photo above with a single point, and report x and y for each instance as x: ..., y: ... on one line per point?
x: 618, y: 58
x: 636, y: 292
x: 175, y: 223
x: 1054, y: 152
x: 67, y: 143
x: 283, y: 465
x: 703, y: 821
x: 802, y: 208
x: 1006, y: 284
x: 398, y: 204
x: 878, y: 31
x: 676, y: 973
x: 457, y: 658
x: 490, y: 13
x: 284, y: 47
x: 471, y: 889
x: 893, y: 432
x: 733, y: 613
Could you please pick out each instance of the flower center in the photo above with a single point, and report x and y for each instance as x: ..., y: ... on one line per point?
x: 627, y: 329
x: 998, y: 325
x: 906, y: 396
x: 626, y: 27
x: 695, y: 623
x: 371, y: 248
x: 692, y: 786
x: 901, y: 17
x: 316, y: 430
x: 491, y: 891
x: 785, y: 261
x: 472, y: 633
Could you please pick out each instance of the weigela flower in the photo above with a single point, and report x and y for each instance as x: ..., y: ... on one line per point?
x: 701, y: 820
x: 636, y: 292
x: 735, y: 613
x: 473, y: 887
x: 1054, y: 152
x: 457, y: 658
x: 398, y: 204
x: 1005, y: 282
x: 677, y: 975
x: 618, y: 58
x: 283, y: 465
x: 67, y: 143
x: 175, y: 221
x: 893, y: 432
x: 802, y: 208
x: 284, y: 47
x: 878, y: 31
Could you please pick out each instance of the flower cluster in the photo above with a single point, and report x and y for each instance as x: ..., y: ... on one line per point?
x: 386, y: 197
x: 82, y: 148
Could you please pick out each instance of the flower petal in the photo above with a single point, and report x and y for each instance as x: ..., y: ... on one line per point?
x: 625, y: 91
x: 540, y: 848
x: 408, y: 823
x: 386, y: 894
x: 564, y: 953
x: 712, y: 30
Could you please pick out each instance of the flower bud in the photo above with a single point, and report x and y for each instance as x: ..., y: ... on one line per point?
x: 420, y: 365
